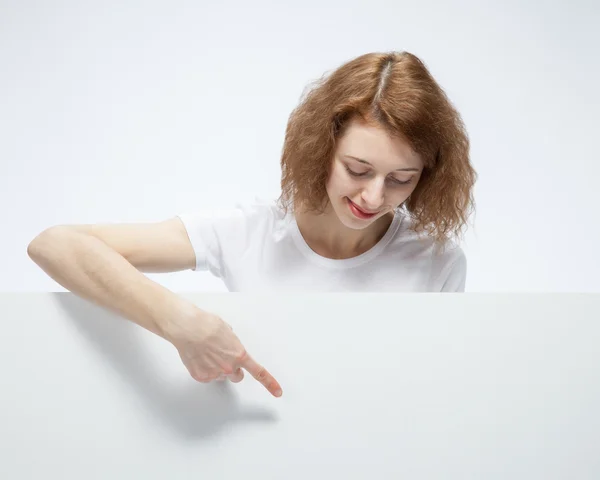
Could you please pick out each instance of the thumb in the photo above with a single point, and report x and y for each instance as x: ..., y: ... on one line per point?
x: 236, y: 376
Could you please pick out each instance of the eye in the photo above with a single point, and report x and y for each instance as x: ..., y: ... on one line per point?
x: 356, y: 174
x: 395, y: 181
x: 400, y: 182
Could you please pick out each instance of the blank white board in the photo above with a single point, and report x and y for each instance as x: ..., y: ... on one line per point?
x: 386, y: 386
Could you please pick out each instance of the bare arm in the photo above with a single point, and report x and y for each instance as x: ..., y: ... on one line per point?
x: 149, y: 247
x: 104, y: 264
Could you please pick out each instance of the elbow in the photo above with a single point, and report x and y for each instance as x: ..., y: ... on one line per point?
x: 40, y: 243
x: 35, y: 246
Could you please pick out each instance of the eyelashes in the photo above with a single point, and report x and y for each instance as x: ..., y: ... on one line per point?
x: 355, y: 174
x: 394, y: 180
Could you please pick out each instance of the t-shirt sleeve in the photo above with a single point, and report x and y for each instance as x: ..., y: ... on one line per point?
x: 450, y: 270
x: 221, y: 236
x: 457, y: 274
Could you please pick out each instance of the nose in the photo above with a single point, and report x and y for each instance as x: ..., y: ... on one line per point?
x: 374, y: 194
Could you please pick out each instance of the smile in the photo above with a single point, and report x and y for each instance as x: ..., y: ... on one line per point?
x: 357, y: 212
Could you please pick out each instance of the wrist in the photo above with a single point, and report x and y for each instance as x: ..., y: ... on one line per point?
x: 179, y: 312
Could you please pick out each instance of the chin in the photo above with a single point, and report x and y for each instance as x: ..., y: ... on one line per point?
x: 353, y: 224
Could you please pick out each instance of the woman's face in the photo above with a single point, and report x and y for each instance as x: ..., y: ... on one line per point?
x: 372, y: 174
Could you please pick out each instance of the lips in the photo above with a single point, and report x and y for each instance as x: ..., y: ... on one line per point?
x: 358, y: 212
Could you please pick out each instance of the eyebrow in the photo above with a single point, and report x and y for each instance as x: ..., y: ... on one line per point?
x: 397, y: 170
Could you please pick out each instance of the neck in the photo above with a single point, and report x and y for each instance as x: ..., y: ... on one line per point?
x: 330, y: 238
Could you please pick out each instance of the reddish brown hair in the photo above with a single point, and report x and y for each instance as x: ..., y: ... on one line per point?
x: 395, y: 91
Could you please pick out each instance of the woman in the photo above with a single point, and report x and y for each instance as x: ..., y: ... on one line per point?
x: 376, y: 187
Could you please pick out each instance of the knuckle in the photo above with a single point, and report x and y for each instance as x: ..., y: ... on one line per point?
x: 241, y: 357
x: 199, y: 377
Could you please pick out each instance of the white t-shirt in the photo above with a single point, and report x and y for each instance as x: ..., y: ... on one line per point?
x: 256, y: 248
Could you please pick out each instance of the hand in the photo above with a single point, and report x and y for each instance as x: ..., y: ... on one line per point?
x: 211, y: 351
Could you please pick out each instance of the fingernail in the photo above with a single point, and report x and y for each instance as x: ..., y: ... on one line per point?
x: 278, y: 393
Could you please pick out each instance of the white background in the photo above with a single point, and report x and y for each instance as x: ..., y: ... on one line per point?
x: 137, y: 111
x: 448, y: 387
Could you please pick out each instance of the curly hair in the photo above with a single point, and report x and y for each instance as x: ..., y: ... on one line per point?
x: 395, y: 91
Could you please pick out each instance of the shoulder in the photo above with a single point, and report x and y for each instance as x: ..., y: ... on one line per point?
x: 251, y: 214
x: 221, y: 233
x: 446, y: 261
x: 448, y: 267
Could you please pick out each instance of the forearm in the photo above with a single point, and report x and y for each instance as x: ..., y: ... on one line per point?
x: 86, y: 266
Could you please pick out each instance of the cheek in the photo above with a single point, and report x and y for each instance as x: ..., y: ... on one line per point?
x: 407, y: 192
x: 330, y: 185
x: 337, y: 182
x: 401, y: 194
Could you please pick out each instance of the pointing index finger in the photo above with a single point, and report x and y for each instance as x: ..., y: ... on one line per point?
x: 260, y: 373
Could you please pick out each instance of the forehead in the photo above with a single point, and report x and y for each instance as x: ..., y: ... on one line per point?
x: 377, y: 146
